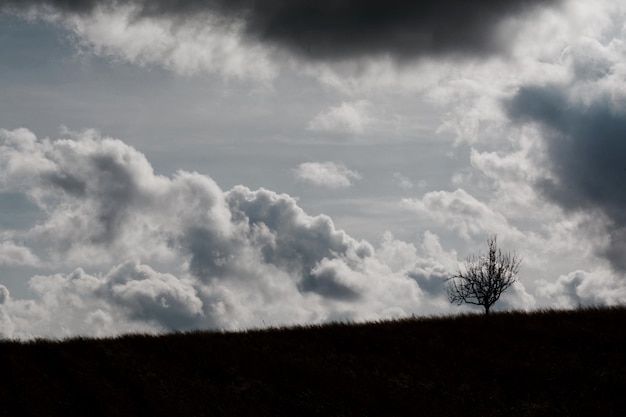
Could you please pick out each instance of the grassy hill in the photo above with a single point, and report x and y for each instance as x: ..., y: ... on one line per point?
x: 509, y: 364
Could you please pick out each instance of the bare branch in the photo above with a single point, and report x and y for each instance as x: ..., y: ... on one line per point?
x: 482, y: 279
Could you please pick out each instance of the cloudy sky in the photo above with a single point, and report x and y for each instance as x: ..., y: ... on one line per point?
x: 244, y: 163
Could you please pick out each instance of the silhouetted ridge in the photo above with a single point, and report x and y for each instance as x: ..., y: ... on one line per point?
x: 550, y: 363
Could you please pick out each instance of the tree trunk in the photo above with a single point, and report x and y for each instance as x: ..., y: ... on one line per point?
x: 487, y: 310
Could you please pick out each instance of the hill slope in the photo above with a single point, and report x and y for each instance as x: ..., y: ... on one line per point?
x: 540, y: 364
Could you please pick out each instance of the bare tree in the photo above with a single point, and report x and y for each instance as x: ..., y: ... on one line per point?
x: 482, y: 279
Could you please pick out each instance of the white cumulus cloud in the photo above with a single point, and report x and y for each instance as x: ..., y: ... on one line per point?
x: 326, y: 174
x: 13, y: 254
x: 156, y: 253
x: 348, y: 117
x: 596, y: 287
x: 460, y: 211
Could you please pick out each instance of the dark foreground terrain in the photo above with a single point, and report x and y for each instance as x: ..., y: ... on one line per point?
x: 514, y: 364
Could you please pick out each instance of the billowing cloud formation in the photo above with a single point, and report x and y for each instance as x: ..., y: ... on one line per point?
x: 583, y: 124
x: 577, y: 288
x: 338, y: 30
x: 129, y: 296
x: 585, y: 146
x: 462, y: 212
x: 326, y: 174
x: 235, y: 259
x: 545, y: 128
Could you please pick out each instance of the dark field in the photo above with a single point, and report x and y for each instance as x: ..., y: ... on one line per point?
x: 508, y: 364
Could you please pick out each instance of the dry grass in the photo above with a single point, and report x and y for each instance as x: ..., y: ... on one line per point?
x: 568, y: 363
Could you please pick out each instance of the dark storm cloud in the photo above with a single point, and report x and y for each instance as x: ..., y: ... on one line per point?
x: 332, y: 29
x: 586, y: 147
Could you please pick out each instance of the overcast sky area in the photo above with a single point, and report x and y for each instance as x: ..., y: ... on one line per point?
x: 234, y: 164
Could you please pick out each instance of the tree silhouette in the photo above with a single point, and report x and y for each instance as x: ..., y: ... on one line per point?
x: 482, y: 279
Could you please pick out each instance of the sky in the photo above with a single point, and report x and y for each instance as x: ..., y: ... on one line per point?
x: 171, y: 166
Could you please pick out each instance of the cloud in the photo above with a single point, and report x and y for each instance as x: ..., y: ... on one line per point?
x: 581, y: 124
x: 431, y: 271
x: 402, y: 181
x: 94, y: 191
x: 330, y: 30
x: 460, y: 211
x: 129, y: 298
x: 543, y: 126
x: 326, y: 174
x: 12, y: 254
x: 7, y: 327
x: 4, y: 294
x: 551, y: 49
x: 348, y: 117
x: 152, y: 296
x: 584, y: 146
x: 210, y: 45
x: 213, y: 47
x: 154, y: 253
x: 584, y: 288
